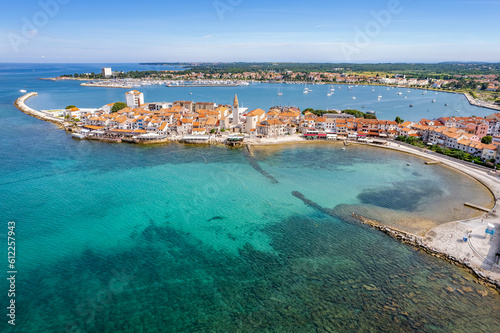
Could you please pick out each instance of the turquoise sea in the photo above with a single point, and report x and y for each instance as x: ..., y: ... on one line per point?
x: 176, y: 238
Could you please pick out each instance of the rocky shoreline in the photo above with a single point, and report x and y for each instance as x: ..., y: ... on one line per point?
x: 482, y: 104
x: 418, y: 242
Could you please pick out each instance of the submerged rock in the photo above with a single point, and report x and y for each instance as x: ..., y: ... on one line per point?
x: 483, y: 293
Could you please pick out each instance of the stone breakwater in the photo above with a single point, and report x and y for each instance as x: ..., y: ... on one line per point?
x: 419, y: 243
x: 20, y: 104
x: 404, y: 237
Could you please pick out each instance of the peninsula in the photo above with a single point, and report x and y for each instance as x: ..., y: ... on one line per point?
x: 472, y: 139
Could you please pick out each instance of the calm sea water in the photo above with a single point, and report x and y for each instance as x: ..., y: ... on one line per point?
x: 55, y: 95
x: 174, y: 238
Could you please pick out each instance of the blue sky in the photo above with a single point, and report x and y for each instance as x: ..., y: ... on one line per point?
x: 244, y: 30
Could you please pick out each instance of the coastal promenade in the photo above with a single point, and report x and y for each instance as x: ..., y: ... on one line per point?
x: 482, y: 104
x: 480, y: 251
x: 20, y: 104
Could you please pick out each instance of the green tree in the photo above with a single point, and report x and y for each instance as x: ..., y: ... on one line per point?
x: 484, y: 86
x: 118, y: 106
x: 70, y: 107
x: 212, y: 130
x: 487, y: 139
x: 399, y: 120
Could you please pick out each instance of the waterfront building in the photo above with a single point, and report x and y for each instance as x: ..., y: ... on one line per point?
x: 271, y: 127
x: 134, y: 99
x: 106, y: 72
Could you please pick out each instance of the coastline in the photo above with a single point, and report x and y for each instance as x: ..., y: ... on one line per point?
x: 444, y: 241
x: 434, y: 242
x: 21, y: 105
x: 470, y: 99
x: 86, y: 84
x: 482, y: 104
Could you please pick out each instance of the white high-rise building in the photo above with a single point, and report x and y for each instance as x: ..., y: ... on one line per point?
x: 134, y: 99
x: 106, y: 72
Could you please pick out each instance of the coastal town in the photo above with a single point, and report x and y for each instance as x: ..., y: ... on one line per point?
x: 109, y: 78
x: 137, y: 121
x: 244, y: 166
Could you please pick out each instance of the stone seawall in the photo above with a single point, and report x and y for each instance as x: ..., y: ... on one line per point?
x: 473, y: 101
x: 20, y: 104
x: 419, y: 243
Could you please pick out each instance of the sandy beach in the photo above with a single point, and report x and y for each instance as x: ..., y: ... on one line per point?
x: 479, y: 251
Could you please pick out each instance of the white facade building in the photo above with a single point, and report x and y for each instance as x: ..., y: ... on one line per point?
x: 106, y: 72
x: 134, y: 99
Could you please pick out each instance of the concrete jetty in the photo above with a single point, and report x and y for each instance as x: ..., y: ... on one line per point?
x: 473, y: 101
x: 249, y: 148
x: 471, y: 205
x: 20, y: 104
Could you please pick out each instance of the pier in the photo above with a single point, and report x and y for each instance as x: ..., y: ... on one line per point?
x: 201, y: 85
x: 249, y: 148
x: 471, y: 205
x: 432, y: 162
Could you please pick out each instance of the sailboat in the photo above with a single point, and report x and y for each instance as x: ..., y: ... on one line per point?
x: 306, y: 90
x: 279, y: 92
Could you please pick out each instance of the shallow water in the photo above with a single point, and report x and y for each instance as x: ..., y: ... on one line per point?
x: 174, y: 238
